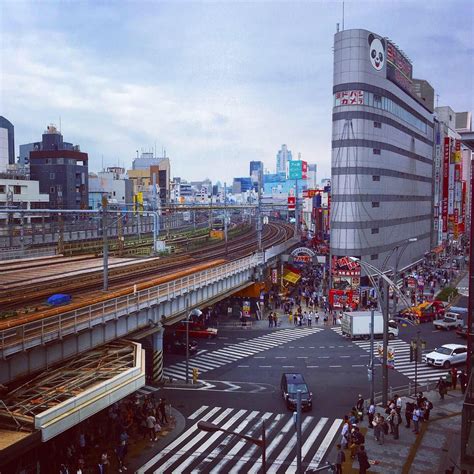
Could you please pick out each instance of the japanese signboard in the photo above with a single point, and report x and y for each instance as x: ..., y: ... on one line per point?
x: 349, y: 98
x: 444, y: 202
x: 399, y: 68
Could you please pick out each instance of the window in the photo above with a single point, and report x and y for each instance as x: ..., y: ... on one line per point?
x: 375, y: 230
x: 377, y: 124
x: 47, y: 160
x: 52, y: 175
x: 374, y: 256
x: 2, y: 189
x: 375, y: 204
x: 376, y: 151
x: 16, y: 189
x: 51, y: 190
x: 60, y: 161
x: 375, y: 178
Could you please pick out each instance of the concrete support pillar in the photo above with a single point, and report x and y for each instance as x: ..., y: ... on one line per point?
x: 157, y: 354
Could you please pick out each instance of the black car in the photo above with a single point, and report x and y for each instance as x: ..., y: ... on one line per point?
x: 290, y: 384
x: 174, y: 344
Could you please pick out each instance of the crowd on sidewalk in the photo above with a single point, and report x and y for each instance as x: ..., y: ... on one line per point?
x: 101, y: 443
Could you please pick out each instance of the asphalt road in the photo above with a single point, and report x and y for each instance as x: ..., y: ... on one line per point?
x: 242, y: 375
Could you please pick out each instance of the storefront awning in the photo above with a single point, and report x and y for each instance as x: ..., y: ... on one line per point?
x: 291, y: 277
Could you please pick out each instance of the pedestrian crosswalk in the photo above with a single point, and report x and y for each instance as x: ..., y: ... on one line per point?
x: 210, y: 360
x: 401, y: 351
x: 145, y: 391
x: 197, y: 451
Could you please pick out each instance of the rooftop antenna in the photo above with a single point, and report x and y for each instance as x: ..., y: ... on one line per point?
x: 103, y: 163
x: 437, y: 100
x: 60, y: 129
x: 342, y: 16
x: 337, y: 27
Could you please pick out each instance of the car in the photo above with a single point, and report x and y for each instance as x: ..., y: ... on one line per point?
x: 447, y: 355
x: 197, y: 330
x: 176, y: 344
x: 449, y: 321
x: 462, y: 331
x: 290, y: 384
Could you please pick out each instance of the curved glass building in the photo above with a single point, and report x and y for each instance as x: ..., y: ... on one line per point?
x: 382, y: 156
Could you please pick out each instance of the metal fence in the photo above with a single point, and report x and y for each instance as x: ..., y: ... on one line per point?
x: 405, y: 390
x: 26, y: 253
x: 30, y: 334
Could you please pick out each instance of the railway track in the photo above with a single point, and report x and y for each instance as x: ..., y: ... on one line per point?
x: 29, y: 294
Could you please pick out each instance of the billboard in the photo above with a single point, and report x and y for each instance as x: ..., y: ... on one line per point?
x: 351, y: 97
x: 444, y: 202
x: 399, y: 68
x: 297, y: 169
x: 291, y: 203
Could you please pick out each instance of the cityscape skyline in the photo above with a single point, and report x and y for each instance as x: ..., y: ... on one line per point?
x: 189, y: 80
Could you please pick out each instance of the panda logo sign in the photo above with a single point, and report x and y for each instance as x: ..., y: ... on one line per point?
x: 376, y: 52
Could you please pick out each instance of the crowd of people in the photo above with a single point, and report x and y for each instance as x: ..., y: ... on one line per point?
x: 101, y: 443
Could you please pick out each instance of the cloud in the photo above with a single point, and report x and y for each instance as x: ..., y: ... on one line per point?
x: 216, y: 84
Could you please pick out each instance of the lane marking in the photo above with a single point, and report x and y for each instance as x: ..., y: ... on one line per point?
x: 334, y: 366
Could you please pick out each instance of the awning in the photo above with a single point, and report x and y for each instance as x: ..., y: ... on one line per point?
x: 292, y: 277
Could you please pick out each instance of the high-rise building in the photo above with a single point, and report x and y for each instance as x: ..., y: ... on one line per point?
x: 10, y: 140
x: 282, y: 158
x: 382, y: 157
x: 312, y: 181
x: 256, y: 173
x: 62, y: 171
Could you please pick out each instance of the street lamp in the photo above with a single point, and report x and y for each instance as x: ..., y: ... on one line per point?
x: 195, y: 312
x: 416, y: 350
x: 212, y: 428
x: 383, y: 301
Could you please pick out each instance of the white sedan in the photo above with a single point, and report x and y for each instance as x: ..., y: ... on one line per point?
x: 447, y: 355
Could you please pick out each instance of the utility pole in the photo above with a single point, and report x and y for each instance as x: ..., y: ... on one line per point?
x: 298, y: 432
x: 225, y: 218
x: 470, y: 319
x: 371, y: 369
x: 385, y: 312
x: 259, y: 218
x: 105, y: 244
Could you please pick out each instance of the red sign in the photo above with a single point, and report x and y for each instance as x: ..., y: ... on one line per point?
x: 456, y: 216
x: 291, y: 203
x: 310, y: 193
x: 301, y: 259
x: 341, y: 298
x: 349, y: 98
x: 444, y: 206
x: 304, y: 170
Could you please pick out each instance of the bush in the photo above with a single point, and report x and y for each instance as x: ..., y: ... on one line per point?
x: 447, y: 294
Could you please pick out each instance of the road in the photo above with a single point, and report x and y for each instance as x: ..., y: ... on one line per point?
x: 242, y: 371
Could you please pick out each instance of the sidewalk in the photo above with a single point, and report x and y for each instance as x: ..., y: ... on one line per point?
x: 436, y: 448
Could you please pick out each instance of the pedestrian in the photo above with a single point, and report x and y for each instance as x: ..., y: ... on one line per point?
x: 391, y: 421
x: 122, y: 450
x: 448, y: 382
x: 270, y: 319
x: 340, y: 459
x: 379, y: 433
x: 363, y: 460
x: 463, y: 380
x: 150, y: 424
x: 345, y: 432
x: 396, y: 422
x: 357, y: 440
x: 441, y: 388
x: 416, y: 420
x: 316, y: 318
x: 409, y: 407
x: 427, y: 410
x: 398, y: 403
x: 371, y: 413
x: 310, y: 318
x: 162, y: 411
x: 360, y: 407
x: 454, y: 377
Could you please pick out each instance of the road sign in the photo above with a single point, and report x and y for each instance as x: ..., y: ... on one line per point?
x: 295, y: 170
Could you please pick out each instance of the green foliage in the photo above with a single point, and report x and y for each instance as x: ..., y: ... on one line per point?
x: 447, y: 294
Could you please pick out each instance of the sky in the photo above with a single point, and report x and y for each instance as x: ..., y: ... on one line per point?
x: 215, y: 84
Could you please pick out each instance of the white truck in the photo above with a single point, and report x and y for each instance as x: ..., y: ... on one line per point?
x: 356, y: 325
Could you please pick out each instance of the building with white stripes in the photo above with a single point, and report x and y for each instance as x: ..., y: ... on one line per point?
x: 382, y: 153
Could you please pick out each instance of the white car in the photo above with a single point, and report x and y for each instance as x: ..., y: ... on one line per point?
x: 447, y: 355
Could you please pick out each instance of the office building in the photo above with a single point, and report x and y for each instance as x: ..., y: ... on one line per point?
x: 256, y: 173
x: 62, y: 171
x: 312, y: 176
x: 382, y: 157
x: 112, y: 184
x: 6, y: 125
x: 282, y: 158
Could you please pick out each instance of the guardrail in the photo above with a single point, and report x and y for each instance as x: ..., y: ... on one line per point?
x: 26, y: 253
x: 28, y: 335
x: 405, y: 390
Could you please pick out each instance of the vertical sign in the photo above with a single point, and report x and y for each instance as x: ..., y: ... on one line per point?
x: 444, y: 207
x: 304, y: 170
x: 295, y: 169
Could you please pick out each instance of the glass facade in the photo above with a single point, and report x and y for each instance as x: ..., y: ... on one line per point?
x: 388, y: 105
